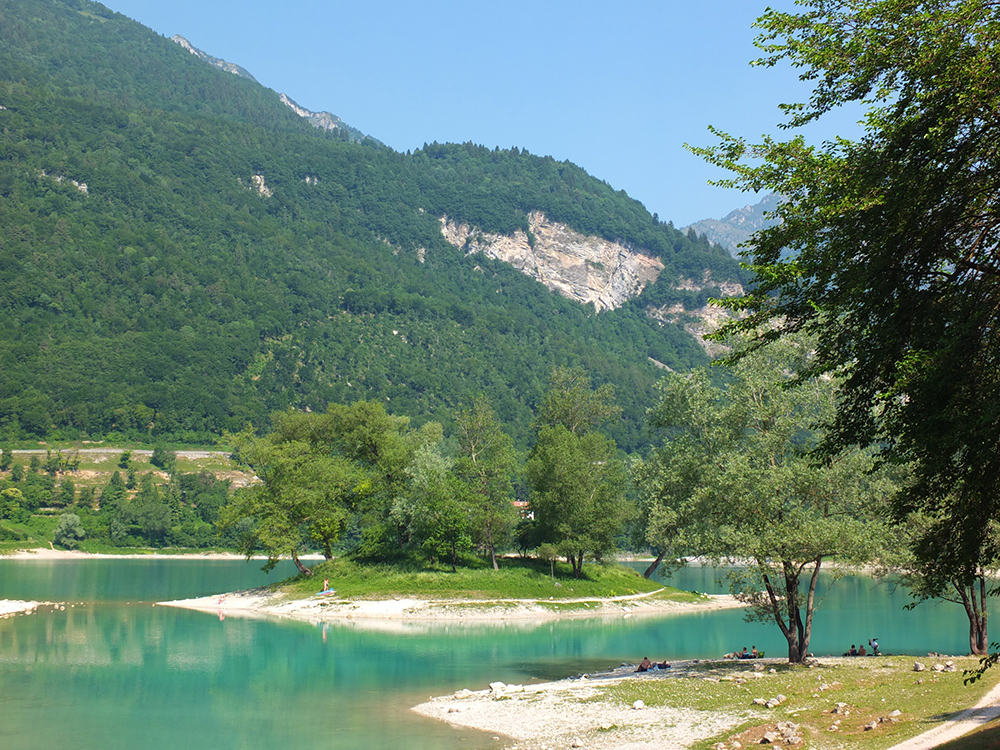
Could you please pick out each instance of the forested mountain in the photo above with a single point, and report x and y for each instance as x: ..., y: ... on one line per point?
x: 181, y: 253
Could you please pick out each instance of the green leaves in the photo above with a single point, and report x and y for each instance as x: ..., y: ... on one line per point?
x: 577, y: 482
x: 305, y: 492
x: 888, y: 246
x: 739, y: 478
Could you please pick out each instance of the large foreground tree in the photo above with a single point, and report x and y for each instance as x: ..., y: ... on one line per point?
x: 739, y: 479
x: 889, y: 246
x: 932, y: 566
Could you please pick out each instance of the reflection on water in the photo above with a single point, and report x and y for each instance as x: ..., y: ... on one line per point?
x: 131, y: 580
x: 106, y: 674
x: 850, y: 610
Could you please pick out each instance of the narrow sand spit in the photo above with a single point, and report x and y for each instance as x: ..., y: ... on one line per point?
x: 45, y: 553
x: 10, y: 607
x: 375, y: 612
x: 569, y: 713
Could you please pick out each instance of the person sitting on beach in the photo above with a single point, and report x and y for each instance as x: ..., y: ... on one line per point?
x: 644, y: 665
x: 743, y: 654
x: 753, y: 653
x: 663, y: 665
x: 861, y: 650
x: 853, y: 651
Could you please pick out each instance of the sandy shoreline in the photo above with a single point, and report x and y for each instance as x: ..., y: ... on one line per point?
x: 10, y: 607
x: 574, y: 713
x: 43, y: 553
x: 571, y: 713
x: 400, y: 613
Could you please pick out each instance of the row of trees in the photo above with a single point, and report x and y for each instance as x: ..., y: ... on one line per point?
x: 357, y: 478
x: 134, y: 510
x: 742, y: 476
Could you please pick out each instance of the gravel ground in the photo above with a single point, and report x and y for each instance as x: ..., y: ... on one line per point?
x: 569, y: 713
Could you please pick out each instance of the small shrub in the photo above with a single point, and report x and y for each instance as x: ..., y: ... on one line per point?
x: 69, y: 532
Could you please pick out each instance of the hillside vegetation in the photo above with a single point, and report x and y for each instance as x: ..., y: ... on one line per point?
x: 182, y: 254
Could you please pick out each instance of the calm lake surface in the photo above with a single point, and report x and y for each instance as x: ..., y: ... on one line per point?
x: 113, y: 671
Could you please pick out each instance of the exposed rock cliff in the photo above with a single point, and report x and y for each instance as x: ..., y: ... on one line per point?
x: 587, y: 269
x: 701, y: 321
x: 327, y: 121
x: 222, y: 64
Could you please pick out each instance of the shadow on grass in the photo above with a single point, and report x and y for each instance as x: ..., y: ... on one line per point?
x: 987, y: 737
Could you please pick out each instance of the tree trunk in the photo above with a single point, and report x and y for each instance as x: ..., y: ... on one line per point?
x: 806, y: 632
x: 797, y: 631
x: 795, y: 625
x: 975, y: 610
x: 489, y: 543
x: 654, y: 565
x: 298, y: 563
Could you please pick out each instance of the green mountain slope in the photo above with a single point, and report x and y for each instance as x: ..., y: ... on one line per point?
x: 180, y: 254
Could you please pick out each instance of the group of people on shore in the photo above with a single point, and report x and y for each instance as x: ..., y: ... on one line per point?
x: 646, y: 665
x: 862, y: 651
x: 753, y: 653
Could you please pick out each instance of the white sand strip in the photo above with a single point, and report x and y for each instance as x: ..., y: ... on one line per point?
x: 10, y: 607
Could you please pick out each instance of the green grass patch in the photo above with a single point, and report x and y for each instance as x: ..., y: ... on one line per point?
x: 516, y: 579
x: 35, y: 532
x: 987, y: 737
x: 871, y: 688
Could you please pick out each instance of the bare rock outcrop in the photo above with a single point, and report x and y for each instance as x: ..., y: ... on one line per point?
x: 237, y: 70
x: 703, y: 320
x: 585, y: 268
x: 321, y: 120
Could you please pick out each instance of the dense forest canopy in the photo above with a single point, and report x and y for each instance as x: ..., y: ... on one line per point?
x: 183, y: 254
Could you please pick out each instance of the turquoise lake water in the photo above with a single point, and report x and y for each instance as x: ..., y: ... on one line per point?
x: 113, y: 671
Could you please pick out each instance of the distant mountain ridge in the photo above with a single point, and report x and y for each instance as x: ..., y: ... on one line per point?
x: 329, y: 121
x: 738, y: 225
x: 321, y: 120
x: 217, y: 62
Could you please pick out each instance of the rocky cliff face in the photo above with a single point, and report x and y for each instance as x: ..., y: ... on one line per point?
x: 700, y: 321
x: 222, y: 64
x: 591, y: 270
x: 326, y: 120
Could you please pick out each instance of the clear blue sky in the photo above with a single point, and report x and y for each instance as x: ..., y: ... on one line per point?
x: 615, y: 87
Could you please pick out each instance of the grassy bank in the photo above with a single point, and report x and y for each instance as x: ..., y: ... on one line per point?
x: 517, y: 579
x: 869, y: 703
x: 868, y: 688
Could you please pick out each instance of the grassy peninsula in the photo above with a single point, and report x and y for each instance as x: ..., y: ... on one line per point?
x: 517, y: 579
